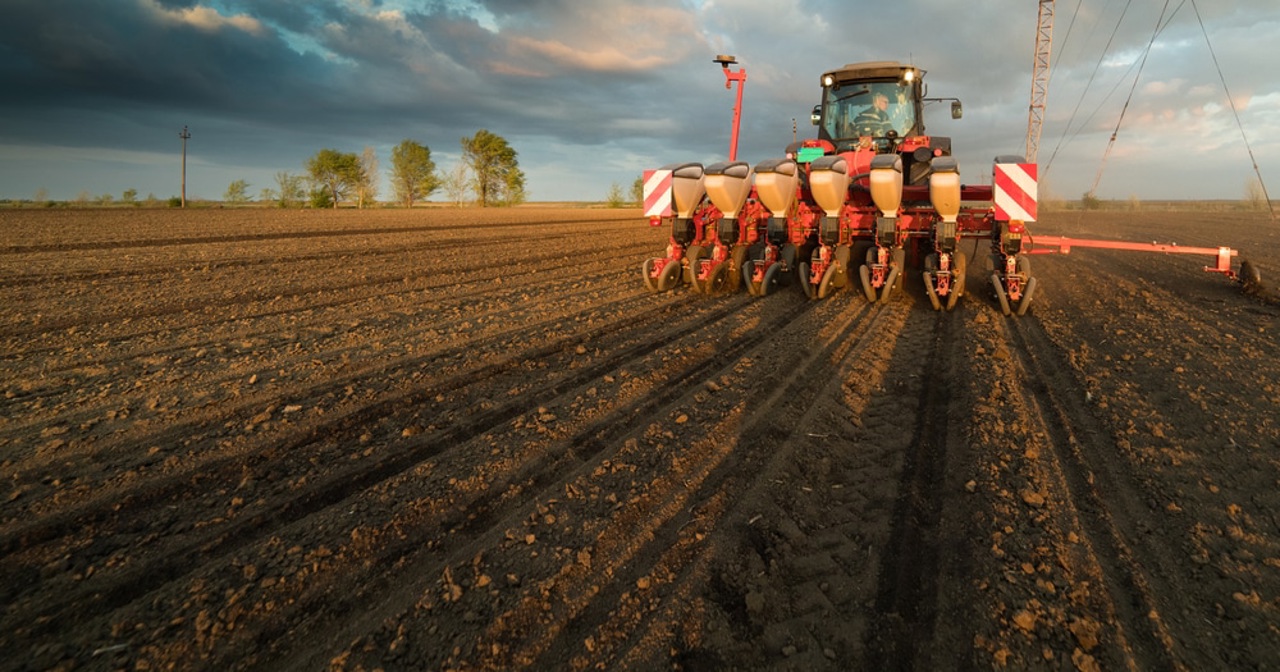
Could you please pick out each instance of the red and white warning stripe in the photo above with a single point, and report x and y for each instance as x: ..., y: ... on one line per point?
x: 657, y: 193
x: 1016, y: 191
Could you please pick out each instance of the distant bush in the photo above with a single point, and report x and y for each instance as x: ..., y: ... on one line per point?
x: 175, y: 202
x: 613, y: 199
x: 320, y: 198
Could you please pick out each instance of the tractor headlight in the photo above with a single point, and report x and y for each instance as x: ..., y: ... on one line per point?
x: 909, y: 76
x: 828, y: 80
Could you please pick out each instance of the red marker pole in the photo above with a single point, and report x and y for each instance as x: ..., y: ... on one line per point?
x: 729, y: 78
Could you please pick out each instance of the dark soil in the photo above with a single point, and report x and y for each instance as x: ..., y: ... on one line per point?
x: 471, y: 439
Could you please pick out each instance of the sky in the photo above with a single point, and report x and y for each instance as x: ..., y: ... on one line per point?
x: 591, y: 93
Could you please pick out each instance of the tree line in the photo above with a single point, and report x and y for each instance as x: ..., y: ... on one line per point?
x: 489, y: 169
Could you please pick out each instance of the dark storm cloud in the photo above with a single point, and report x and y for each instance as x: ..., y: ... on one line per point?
x: 627, y: 84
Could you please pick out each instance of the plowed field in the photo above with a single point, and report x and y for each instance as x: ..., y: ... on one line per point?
x: 470, y: 439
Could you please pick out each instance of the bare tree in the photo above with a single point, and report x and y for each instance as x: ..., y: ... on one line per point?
x: 290, y: 189
x: 1255, y: 196
x: 367, y: 188
x: 456, y: 183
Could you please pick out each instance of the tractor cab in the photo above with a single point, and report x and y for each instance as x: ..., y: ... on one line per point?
x: 878, y: 108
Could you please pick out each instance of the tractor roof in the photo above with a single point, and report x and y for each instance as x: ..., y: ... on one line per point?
x: 870, y: 70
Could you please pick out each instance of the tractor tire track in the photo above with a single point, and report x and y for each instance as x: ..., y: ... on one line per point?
x: 1107, y: 504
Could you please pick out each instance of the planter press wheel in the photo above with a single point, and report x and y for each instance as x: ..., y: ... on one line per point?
x: 694, y: 255
x: 719, y: 281
x: 669, y: 277
x: 803, y: 271
x: 959, y: 266
x: 1250, y: 277
x: 649, y: 280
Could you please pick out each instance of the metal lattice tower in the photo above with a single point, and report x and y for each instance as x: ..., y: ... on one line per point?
x: 1040, y: 78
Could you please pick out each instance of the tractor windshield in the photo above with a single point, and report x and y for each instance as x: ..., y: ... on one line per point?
x: 868, y: 109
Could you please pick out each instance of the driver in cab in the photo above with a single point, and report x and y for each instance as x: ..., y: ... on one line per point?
x: 874, y: 121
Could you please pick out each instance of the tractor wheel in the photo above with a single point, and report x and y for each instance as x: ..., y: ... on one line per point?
x: 650, y: 281
x: 669, y: 277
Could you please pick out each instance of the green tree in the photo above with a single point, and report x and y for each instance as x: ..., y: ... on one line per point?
x: 637, y: 191
x: 413, y: 173
x: 289, y: 189
x: 1089, y: 201
x: 336, y: 172
x: 129, y: 196
x: 495, y: 171
x: 319, y: 198
x: 237, y: 192
x: 613, y: 198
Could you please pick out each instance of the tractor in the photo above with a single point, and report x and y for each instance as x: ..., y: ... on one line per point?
x: 870, y: 193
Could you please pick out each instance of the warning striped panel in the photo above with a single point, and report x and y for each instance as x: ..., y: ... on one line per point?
x: 1016, y: 191
x: 657, y: 193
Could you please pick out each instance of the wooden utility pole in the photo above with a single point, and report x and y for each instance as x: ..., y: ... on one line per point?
x: 184, y: 135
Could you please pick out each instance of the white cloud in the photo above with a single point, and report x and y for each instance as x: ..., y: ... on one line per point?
x: 204, y: 18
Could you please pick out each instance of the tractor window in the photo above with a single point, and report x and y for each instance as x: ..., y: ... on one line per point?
x: 868, y: 109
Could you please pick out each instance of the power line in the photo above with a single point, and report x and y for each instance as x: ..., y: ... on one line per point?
x: 1232, y: 103
x: 1147, y: 52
